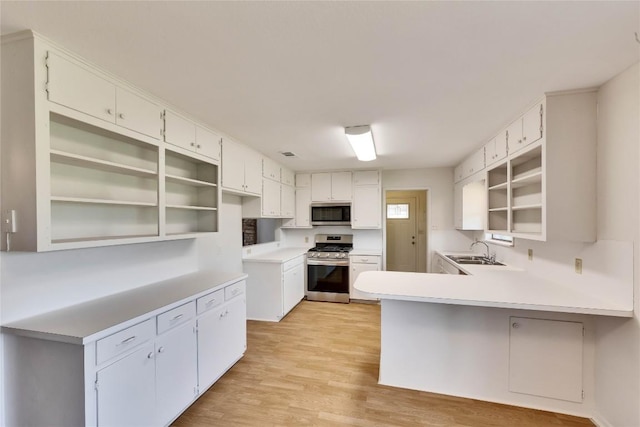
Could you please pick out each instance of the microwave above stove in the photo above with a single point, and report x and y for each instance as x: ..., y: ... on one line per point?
x: 330, y: 214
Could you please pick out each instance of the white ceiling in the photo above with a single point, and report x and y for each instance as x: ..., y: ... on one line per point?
x: 434, y: 79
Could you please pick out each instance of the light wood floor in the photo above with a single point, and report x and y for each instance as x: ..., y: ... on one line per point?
x: 319, y: 367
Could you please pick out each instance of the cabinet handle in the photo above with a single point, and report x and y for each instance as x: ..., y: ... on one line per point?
x: 161, y: 349
x: 150, y: 355
x: 515, y: 325
x: 193, y: 144
x: 365, y: 259
x: 128, y: 340
x: 121, y: 115
x: 174, y: 318
x: 210, y: 302
x: 198, y: 146
x: 519, y: 141
x: 110, y: 111
x: 524, y: 138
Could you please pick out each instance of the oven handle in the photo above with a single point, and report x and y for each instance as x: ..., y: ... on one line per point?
x: 344, y: 262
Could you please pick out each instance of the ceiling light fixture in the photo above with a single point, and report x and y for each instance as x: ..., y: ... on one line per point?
x: 361, y: 140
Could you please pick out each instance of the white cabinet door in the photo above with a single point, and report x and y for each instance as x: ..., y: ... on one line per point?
x: 321, y: 187
x: 270, y: 198
x: 232, y: 165
x: 222, y: 335
x: 356, y: 269
x: 457, y: 205
x: 545, y: 358
x: 496, y: 149
x: 176, y: 371
x: 126, y: 390
x: 287, y: 177
x: 303, y: 209
x: 287, y: 201
x: 366, y: 178
x: 341, y: 186
x: 514, y: 136
x: 75, y: 87
x: 532, y: 125
x: 252, y: 171
x: 138, y: 114
x: 303, y: 180
x: 270, y: 169
x: 367, y: 207
x: 207, y: 143
x: 293, y: 287
x: 179, y: 131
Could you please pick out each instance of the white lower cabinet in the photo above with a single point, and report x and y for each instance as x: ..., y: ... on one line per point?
x: 176, y: 371
x: 360, y: 264
x: 145, y: 374
x: 125, y: 390
x: 221, y: 339
x: 274, y: 288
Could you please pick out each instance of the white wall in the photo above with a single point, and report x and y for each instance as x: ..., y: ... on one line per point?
x: 442, y: 234
x: 617, y: 340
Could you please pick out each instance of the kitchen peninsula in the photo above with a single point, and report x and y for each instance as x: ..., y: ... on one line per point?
x: 497, y: 333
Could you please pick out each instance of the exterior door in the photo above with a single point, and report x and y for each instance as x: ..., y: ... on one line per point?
x: 402, y: 236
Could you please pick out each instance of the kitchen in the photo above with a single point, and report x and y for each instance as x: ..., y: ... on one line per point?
x: 60, y: 277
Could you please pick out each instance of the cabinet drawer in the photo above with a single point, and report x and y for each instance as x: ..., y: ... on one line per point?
x: 211, y: 300
x: 175, y: 317
x: 365, y: 259
x: 234, y: 290
x: 118, y: 343
x: 292, y: 263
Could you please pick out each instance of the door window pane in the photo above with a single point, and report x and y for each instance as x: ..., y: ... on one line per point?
x: 398, y: 211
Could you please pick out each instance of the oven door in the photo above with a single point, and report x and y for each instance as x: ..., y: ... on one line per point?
x: 328, y: 281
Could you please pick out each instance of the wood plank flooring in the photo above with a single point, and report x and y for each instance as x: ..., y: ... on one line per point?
x: 319, y: 367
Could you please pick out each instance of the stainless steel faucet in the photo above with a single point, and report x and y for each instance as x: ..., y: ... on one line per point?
x: 488, y: 256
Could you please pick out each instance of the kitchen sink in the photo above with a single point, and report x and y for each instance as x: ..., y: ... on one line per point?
x: 472, y: 259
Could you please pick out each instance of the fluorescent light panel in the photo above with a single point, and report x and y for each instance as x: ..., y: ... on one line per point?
x: 361, y: 140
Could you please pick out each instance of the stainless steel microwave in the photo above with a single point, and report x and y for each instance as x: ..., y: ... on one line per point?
x: 330, y: 214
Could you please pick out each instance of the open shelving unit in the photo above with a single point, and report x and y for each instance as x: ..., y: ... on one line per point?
x: 191, y: 195
x: 498, y: 198
x: 527, y: 193
x: 103, y: 186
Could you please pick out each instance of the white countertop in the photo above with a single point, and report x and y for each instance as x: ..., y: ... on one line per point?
x: 276, y: 256
x: 92, y: 320
x: 487, y: 286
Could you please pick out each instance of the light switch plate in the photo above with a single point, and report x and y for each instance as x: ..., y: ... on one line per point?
x: 530, y: 252
x: 578, y: 265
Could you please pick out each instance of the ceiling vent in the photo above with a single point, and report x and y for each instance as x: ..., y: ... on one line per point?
x: 288, y: 154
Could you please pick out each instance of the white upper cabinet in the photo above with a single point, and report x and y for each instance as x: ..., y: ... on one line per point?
x: 527, y: 129
x: 179, y: 131
x: 241, y: 168
x: 471, y: 165
x: 270, y: 169
x: 93, y: 168
x: 184, y: 133
x: 270, y: 198
x: 546, y: 188
x: 303, y: 180
x: 138, y: 114
x: 331, y: 187
x: 367, y: 200
x: 287, y: 201
x: 287, y: 177
x: 74, y: 86
x: 496, y: 149
x: 208, y: 143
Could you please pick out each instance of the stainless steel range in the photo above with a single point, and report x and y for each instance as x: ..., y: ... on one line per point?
x: 328, y: 268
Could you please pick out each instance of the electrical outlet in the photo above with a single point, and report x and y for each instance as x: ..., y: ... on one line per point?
x: 530, y: 252
x: 248, y: 251
x: 306, y: 239
x: 578, y: 265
